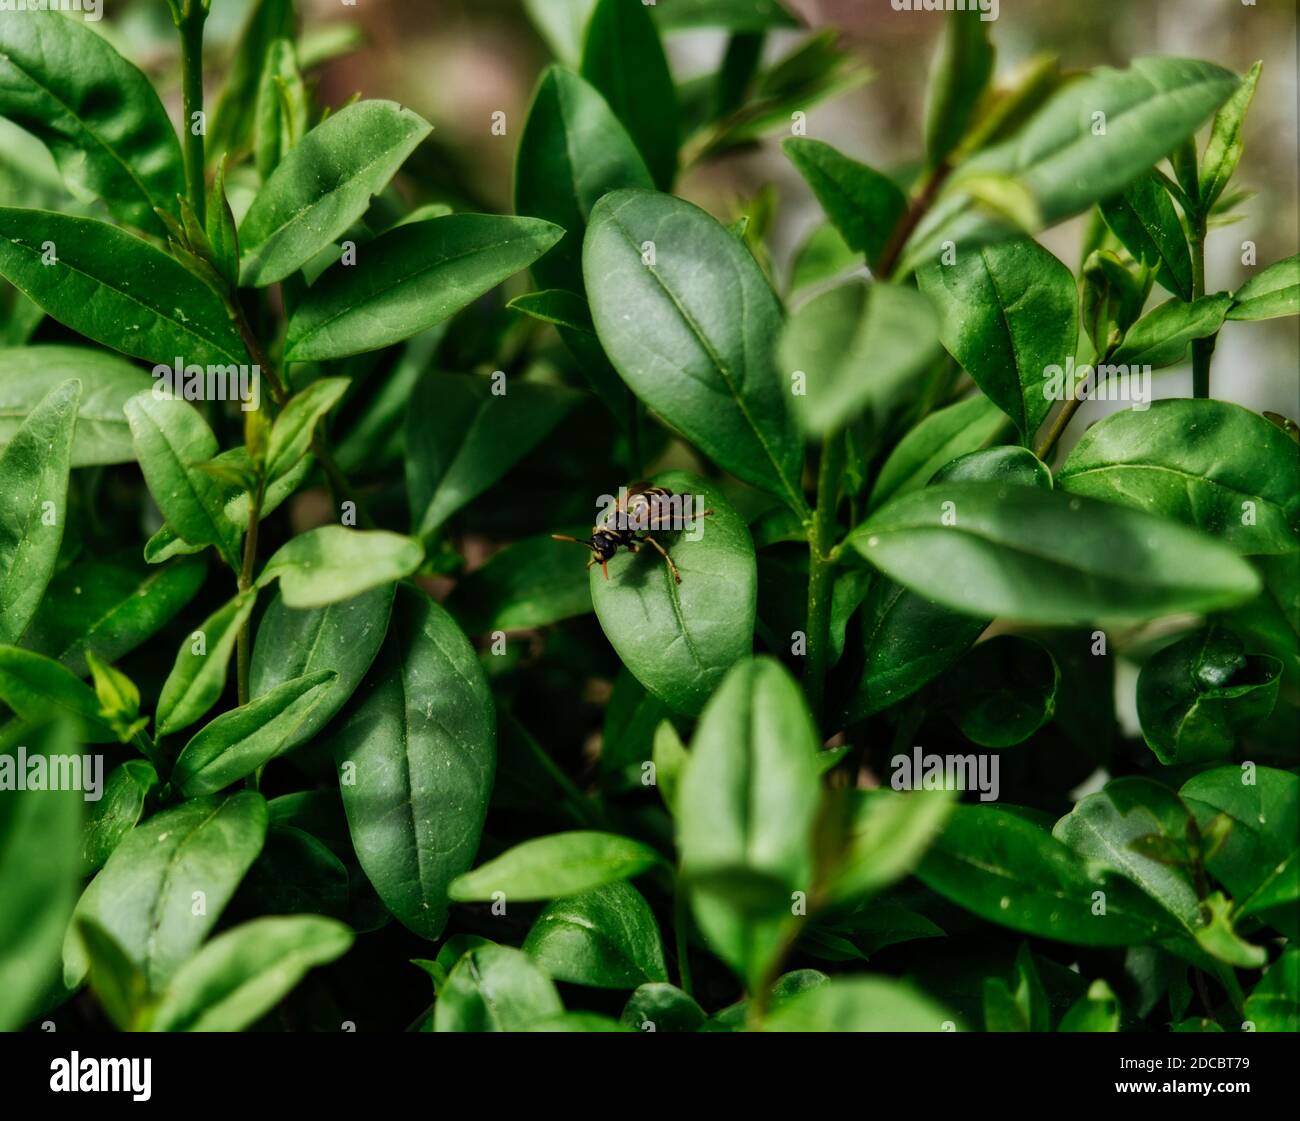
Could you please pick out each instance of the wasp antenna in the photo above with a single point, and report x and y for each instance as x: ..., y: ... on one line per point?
x: 563, y: 537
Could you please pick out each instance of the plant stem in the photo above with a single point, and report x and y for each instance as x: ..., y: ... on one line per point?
x: 681, y: 921
x: 191, y: 29
x: 149, y: 746
x: 246, y: 582
x: 911, y: 218
x: 1202, y: 349
x: 1059, y: 425
x: 821, y: 570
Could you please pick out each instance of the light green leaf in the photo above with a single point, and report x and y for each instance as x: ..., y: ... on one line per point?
x: 607, y: 938
x: 330, y: 564
x: 291, y: 434
x: 495, y: 988
x: 1162, y: 336
x: 1224, y: 148
x: 36, y: 688
x: 861, y: 1004
x: 198, y: 678
x: 555, y: 866
x: 1269, y: 294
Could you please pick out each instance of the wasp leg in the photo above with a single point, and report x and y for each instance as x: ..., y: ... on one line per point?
x: 667, y: 559
x: 664, y: 523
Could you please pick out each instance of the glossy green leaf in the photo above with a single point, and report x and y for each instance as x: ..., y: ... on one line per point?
x: 1274, y: 1005
x: 95, y: 111
x: 1270, y: 293
x: 343, y: 637
x: 416, y: 756
x: 171, y: 441
x: 1223, y: 149
x: 291, y: 434
x: 110, y: 605
x: 662, y: 1007
x: 1161, y: 337
x: 198, y: 678
x: 28, y: 373
x: 572, y: 152
x: 1001, y: 692
x: 532, y: 583
x: 243, y: 973
x: 409, y: 279
x: 1009, y: 870
x: 40, y: 868
x: 680, y: 639
x: 1237, y: 476
x: 464, y: 432
x: 607, y: 938
x: 860, y: 347
x: 144, y: 896
x: 861, y: 1004
x: 863, y: 204
x: 324, y: 185
x: 495, y: 988
x: 117, y: 289
x: 34, y: 467
x: 556, y: 866
x: 746, y: 804
x: 232, y: 121
x: 36, y: 688
x: 689, y: 322
x: 940, y: 438
x: 1007, y: 311
x: 623, y: 59
x: 1195, y: 695
x: 117, y: 812
x: 1042, y: 556
x: 1144, y: 220
x: 329, y: 564
x: 240, y: 741
x: 960, y: 77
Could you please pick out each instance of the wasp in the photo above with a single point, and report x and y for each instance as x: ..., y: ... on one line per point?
x: 647, y: 510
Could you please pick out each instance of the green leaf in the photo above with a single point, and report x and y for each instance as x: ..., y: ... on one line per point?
x: 607, y: 938
x: 860, y: 1004
x: 34, y: 467
x: 117, y: 289
x: 324, y: 185
x: 669, y: 756
x: 1024, y: 1010
x: 416, y: 756
x: 118, y: 983
x: 1239, y: 478
x: 281, y: 107
x: 231, y: 124
x: 1258, y: 861
x: 860, y: 347
x: 1274, y: 1005
x: 532, y: 583
x: 40, y: 858
x: 1194, y: 696
x: 343, y: 637
x: 110, y: 605
x: 291, y: 434
x: 557, y: 307
x: 1008, y: 870
x: 495, y: 988
x: 117, y: 812
x: 96, y: 112
x: 555, y: 866
x: 1144, y: 220
x: 746, y: 805
x: 662, y: 1007
x: 623, y: 59
x: 693, y: 333
x: 1269, y: 294
x: 572, y: 152
x: 562, y: 23
x: 1007, y: 312
x: 1001, y: 692
x: 31, y: 372
x: 1224, y: 148
x: 863, y: 205
x: 960, y: 76
x: 242, y: 974
x: 144, y: 895
x: 733, y: 15
x: 462, y: 436
x: 887, y: 833
x: 1041, y: 556
x: 330, y: 564
x: 240, y: 741
x: 1162, y: 336
x: 198, y: 678
x: 409, y: 279
x: 1098, y: 1011
x: 1065, y: 160
x: 171, y: 441
x: 222, y: 233
x: 1111, y: 300
x: 679, y: 639
x: 37, y: 688
x: 940, y: 438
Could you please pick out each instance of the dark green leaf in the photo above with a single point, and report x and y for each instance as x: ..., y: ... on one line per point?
x: 231, y: 127
x: 1161, y: 337
x: 1001, y: 692
x: 959, y: 79
x: 607, y: 938
x: 1144, y: 220
x: 495, y: 988
x: 36, y: 688
x: 532, y: 583
x: 658, y: 1006
x: 117, y: 812
x: 1275, y: 1003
